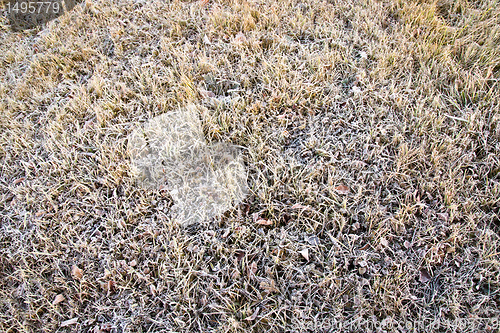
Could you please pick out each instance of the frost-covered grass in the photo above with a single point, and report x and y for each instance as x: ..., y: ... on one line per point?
x: 372, y: 143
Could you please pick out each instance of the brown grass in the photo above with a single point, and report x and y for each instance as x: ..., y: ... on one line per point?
x: 396, y: 100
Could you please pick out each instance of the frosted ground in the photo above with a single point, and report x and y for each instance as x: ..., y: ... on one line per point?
x: 369, y: 134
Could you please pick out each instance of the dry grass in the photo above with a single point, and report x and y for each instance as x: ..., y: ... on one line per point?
x: 398, y: 101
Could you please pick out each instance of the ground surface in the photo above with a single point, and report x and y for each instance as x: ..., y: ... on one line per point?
x: 372, y: 144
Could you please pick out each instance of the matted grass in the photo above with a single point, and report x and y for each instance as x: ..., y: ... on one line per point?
x: 372, y: 142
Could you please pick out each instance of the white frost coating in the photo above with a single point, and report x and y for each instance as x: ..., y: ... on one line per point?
x: 171, y: 150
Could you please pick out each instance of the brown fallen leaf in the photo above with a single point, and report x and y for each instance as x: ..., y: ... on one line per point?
x: 424, y: 276
x: 300, y: 206
x: 239, y: 255
x: 254, y: 315
x: 39, y: 213
x: 355, y: 226
x: 240, y: 230
x: 18, y: 180
x: 268, y: 285
x: 259, y: 220
x: 110, y: 287
x: 366, y: 246
x: 262, y: 221
x: 443, y: 216
x: 358, y: 164
x: 206, y: 93
x: 69, y: 322
x: 76, y: 272
x: 252, y: 268
x: 58, y: 299
x: 152, y: 289
x: 342, y: 189
x: 255, y: 217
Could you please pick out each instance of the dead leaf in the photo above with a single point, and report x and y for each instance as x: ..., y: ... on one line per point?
x: 342, y: 189
x: 300, y: 206
x: 259, y: 220
x: 206, y: 93
x: 69, y: 322
x: 305, y: 253
x: 254, y: 315
x: 58, y: 299
x: 384, y: 242
x: 255, y: 217
x: 76, y: 272
x: 240, y: 230
x: 407, y: 244
x: 110, y: 286
x: 355, y: 226
x: 18, y: 180
x: 268, y: 285
x: 133, y: 263
x: 152, y: 289
x: 252, y: 268
x: 262, y: 221
x: 362, y: 270
x: 203, y: 3
x: 424, y: 276
x: 239, y: 255
x: 364, y: 247
x: 9, y: 197
x: 39, y: 213
x: 358, y: 164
